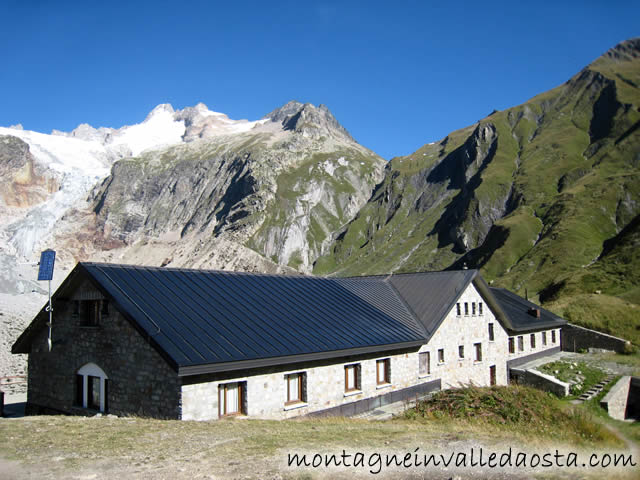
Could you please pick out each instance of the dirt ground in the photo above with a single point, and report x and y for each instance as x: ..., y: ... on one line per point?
x: 59, y: 447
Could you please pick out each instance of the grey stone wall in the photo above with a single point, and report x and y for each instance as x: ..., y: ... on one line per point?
x: 575, y: 338
x: 539, y: 380
x: 265, y: 388
x: 140, y: 380
x: 615, y: 402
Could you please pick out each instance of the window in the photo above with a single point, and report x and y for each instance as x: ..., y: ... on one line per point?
x: 424, y: 363
x: 230, y: 398
x: 458, y: 312
x: 512, y: 345
x: 466, y: 308
x: 521, y: 343
x: 553, y: 336
x: 533, y: 340
x: 473, y: 308
x: 93, y: 392
x: 383, y: 373
x: 492, y: 375
x: 478, y: 348
x: 91, y: 388
x: 544, y: 338
x: 91, y: 311
x: 352, y: 378
x: 441, y: 355
x: 461, y: 351
x: 480, y: 308
x: 296, y: 383
x: 492, y: 335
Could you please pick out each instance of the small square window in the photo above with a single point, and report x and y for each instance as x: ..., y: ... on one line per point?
x: 383, y: 371
x: 461, y: 351
x: 90, y: 312
x: 296, y: 388
x: 424, y: 361
x: 231, y: 398
x: 478, y: 348
x: 352, y: 378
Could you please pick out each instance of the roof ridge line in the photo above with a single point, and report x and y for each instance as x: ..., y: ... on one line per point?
x: 413, y: 314
x: 209, y: 270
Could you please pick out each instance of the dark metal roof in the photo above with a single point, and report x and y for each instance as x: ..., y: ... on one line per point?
x: 517, y: 309
x: 381, y: 294
x: 204, y: 321
x: 201, y: 317
x: 431, y: 295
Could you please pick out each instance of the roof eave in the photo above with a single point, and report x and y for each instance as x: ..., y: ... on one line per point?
x: 189, y: 370
x: 559, y: 323
x: 485, y: 291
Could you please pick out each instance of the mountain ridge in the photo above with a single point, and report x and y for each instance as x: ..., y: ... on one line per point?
x: 293, y: 192
x: 512, y: 193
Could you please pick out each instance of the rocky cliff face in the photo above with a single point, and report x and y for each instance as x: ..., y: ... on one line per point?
x: 183, y: 188
x: 280, y: 188
x: 23, y: 182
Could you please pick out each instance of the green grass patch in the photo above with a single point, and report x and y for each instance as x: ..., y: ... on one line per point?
x: 512, y: 407
x: 580, y: 375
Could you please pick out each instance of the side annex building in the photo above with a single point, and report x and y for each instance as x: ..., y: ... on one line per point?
x: 202, y: 345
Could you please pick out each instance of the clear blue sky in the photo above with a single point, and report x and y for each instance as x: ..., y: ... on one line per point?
x: 396, y: 74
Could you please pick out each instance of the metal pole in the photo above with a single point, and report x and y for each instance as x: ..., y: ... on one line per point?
x: 50, y: 317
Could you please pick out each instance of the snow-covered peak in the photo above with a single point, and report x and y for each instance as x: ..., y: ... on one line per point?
x: 160, y: 109
x: 159, y: 129
x: 200, y: 122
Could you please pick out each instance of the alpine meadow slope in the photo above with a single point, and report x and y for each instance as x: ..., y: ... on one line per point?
x: 544, y: 198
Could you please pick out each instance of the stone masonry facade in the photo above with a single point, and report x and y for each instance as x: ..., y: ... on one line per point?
x: 468, y: 330
x: 266, y: 390
x: 141, y: 382
x: 323, y: 386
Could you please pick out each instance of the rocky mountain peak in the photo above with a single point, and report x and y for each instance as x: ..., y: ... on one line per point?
x: 162, y: 108
x: 309, y: 120
x: 628, y: 50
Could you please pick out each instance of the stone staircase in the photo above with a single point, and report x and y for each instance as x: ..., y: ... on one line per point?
x: 595, y: 390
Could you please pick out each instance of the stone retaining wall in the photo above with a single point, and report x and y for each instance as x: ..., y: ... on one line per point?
x: 615, y: 402
x: 537, y: 379
x: 575, y: 338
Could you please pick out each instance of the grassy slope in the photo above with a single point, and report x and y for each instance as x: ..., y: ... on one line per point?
x: 569, y: 158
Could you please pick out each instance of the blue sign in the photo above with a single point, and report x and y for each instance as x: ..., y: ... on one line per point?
x: 47, y: 259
